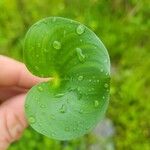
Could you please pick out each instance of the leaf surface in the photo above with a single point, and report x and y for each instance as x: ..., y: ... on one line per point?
x: 76, y: 99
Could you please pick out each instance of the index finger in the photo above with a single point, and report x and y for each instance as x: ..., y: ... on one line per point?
x: 14, y: 73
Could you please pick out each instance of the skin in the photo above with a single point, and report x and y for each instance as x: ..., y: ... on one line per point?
x: 15, y: 81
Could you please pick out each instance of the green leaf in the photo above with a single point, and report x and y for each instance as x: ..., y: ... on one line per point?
x: 76, y: 99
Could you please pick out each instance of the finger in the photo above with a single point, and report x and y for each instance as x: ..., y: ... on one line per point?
x: 12, y: 122
x: 8, y: 92
x: 14, y: 73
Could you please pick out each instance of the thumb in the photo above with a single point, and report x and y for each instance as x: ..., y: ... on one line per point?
x: 12, y: 120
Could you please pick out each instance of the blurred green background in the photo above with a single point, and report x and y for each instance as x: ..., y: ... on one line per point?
x: 124, y: 27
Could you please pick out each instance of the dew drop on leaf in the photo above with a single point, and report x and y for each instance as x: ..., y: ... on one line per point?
x: 67, y: 129
x: 52, y: 116
x: 106, y: 73
x: 53, y: 134
x: 40, y: 88
x: 106, y: 85
x: 80, y: 55
x: 81, y: 40
x: 32, y: 119
x: 59, y: 95
x: 63, y: 108
x: 80, y: 29
x: 57, y: 45
x: 96, y: 103
x: 42, y: 106
x: 36, y: 68
x: 80, y: 78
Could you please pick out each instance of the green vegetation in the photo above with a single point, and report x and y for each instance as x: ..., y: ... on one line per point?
x: 76, y: 99
x: 123, y: 26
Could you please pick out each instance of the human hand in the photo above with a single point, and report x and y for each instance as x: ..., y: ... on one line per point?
x: 15, y: 81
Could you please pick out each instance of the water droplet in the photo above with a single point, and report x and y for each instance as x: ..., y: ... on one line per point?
x: 79, y: 90
x: 36, y: 68
x: 59, y: 94
x: 42, y: 106
x: 40, y: 124
x: 57, y: 45
x: 80, y: 55
x: 53, y: 134
x: 107, y: 74
x: 67, y: 129
x: 79, y: 93
x: 80, y: 78
x: 95, y: 47
x: 80, y: 29
x: 52, y: 116
x: 81, y: 40
x: 63, y: 108
x: 106, y: 85
x: 96, y: 103
x: 32, y: 120
x: 40, y: 88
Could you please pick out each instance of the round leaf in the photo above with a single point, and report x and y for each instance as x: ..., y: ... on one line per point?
x: 75, y: 100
